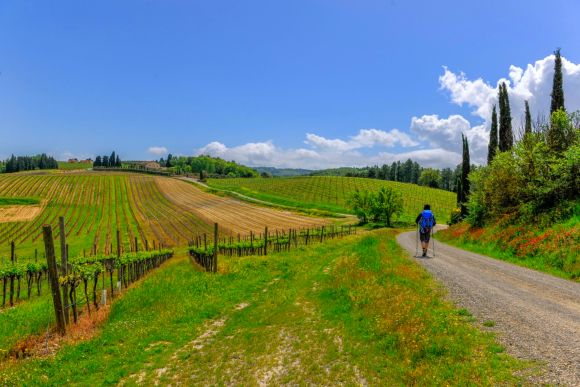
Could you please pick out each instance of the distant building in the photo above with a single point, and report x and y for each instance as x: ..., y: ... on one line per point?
x: 73, y: 160
x: 152, y: 165
x: 87, y: 161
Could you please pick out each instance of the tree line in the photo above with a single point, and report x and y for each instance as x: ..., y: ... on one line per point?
x: 206, y: 166
x: 404, y: 172
x: 537, y: 177
x: 112, y: 161
x: 28, y: 163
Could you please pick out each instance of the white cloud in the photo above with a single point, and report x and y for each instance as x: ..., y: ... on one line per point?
x: 534, y: 83
x: 438, y: 139
x: 157, y: 150
x: 445, y: 134
x: 366, y: 138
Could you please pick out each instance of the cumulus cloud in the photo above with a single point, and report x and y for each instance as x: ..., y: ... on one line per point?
x: 534, y: 83
x: 436, y: 141
x: 445, y: 134
x: 366, y: 138
x: 157, y: 150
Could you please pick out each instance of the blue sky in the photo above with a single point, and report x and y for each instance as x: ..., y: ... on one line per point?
x: 296, y: 83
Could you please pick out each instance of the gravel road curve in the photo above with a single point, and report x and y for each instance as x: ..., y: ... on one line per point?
x: 536, y: 315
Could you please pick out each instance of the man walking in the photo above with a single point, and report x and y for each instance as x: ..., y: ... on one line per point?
x: 426, y: 222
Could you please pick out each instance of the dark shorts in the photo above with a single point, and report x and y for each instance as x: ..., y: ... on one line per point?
x: 424, y: 237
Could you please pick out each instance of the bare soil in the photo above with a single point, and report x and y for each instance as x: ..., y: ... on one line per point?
x: 232, y: 215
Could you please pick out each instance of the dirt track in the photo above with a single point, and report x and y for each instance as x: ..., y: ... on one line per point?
x: 536, y: 315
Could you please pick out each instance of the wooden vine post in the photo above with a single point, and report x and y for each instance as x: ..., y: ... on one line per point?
x: 215, y: 248
x: 63, y: 263
x: 53, y: 278
x: 266, y: 241
x: 12, y: 252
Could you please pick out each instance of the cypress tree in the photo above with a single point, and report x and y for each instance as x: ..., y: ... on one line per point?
x: 112, y: 160
x: 465, y: 169
x: 528, y: 124
x: 557, y: 85
x: 492, y: 148
x: 506, y: 137
x: 118, y: 162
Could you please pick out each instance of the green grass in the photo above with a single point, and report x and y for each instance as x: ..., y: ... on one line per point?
x: 18, y: 201
x: 348, y: 311
x: 329, y: 193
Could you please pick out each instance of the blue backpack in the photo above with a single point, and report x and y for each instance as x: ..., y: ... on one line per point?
x: 426, y: 222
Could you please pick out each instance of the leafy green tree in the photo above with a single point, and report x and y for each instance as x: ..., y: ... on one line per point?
x: 560, y: 134
x: 557, y: 85
x: 492, y: 148
x: 430, y: 177
x: 361, y: 203
x: 386, y: 204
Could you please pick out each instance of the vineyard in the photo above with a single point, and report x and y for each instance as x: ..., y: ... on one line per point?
x: 331, y: 193
x: 147, y: 211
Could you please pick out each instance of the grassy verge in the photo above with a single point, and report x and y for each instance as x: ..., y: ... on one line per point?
x: 4, y: 201
x: 350, y: 311
x: 554, y: 250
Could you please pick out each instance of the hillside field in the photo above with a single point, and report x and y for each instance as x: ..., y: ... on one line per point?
x: 146, y: 209
x: 331, y: 193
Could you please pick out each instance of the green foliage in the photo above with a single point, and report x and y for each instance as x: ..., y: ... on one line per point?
x: 533, y: 183
x: 560, y: 134
x: 29, y: 163
x: 386, y: 204
x: 361, y: 203
x: 430, y: 177
x: 18, y: 201
x: 210, y: 166
x: 381, y: 206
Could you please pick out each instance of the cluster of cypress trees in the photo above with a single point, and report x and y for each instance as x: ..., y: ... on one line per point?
x: 504, y: 140
x: 28, y: 163
x: 112, y: 161
x: 463, y: 181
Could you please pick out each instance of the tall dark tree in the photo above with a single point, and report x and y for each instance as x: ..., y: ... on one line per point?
x: 557, y: 85
x: 528, y: 119
x: 506, y: 137
x: 118, y: 162
x: 98, y: 162
x: 169, y: 157
x: 463, y: 192
x: 112, y: 159
x: 105, y: 161
x: 492, y: 147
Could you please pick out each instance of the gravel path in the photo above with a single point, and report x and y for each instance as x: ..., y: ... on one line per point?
x: 536, y: 315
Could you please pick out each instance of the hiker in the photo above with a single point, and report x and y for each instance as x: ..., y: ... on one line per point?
x: 426, y: 222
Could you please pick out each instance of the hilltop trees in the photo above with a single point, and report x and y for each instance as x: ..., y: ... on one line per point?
x: 28, y: 163
x: 112, y: 161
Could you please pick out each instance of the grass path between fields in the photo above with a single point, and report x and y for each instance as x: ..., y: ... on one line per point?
x: 351, y: 311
